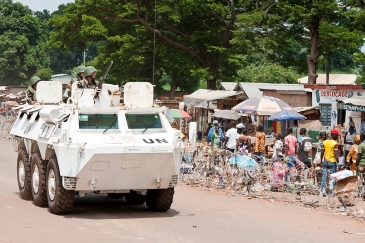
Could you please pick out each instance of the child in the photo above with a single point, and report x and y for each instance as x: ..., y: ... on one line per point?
x: 303, y: 155
x: 278, y: 148
x: 341, y: 162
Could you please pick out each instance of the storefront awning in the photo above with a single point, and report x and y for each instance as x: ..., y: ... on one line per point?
x: 353, y: 104
x: 202, y: 99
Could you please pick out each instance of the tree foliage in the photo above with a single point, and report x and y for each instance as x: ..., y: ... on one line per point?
x: 268, y: 73
x: 196, y: 42
x: 201, y: 29
x: 22, y: 43
x: 300, y: 31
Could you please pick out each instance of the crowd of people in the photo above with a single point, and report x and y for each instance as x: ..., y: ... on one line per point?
x: 329, y: 158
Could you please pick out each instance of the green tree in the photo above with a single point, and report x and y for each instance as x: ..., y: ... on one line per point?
x: 63, y: 61
x: 310, y: 27
x: 202, y: 29
x: 22, y: 43
x: 335, y: 38
x: 268, y: 73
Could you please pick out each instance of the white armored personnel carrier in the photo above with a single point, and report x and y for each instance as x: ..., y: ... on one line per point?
x: 92, y: 144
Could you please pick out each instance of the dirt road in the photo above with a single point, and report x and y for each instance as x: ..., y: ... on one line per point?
x: 196, y: 216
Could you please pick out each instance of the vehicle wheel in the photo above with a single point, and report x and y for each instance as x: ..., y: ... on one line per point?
x: 23, y: 174
x: 115, y: 195
x: 38, y: 180
x: 160, y: 199
x: 134, y: 198
x: 60, y: 200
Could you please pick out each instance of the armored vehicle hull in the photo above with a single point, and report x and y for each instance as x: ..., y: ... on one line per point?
x: 95, y: 146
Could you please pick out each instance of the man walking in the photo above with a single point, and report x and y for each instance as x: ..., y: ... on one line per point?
x: 330, y: 158
x: 260, y: 144
x: 215, y: 127
x: 230, y: 142
x: 290, y: 143
x: 208, y: 129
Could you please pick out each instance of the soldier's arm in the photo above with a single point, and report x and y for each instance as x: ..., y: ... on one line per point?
x: 29, y: 97
x: 80, y: 84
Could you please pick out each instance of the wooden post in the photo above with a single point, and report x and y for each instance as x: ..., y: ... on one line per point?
x: 247, y: 125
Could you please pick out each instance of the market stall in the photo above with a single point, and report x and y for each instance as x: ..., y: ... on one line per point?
x: 261, y: 108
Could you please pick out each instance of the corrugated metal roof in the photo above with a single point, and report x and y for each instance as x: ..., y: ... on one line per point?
x: 202, y: 99
x: 228, y: 86
x: 201, y: 91
x: 333, y: 79
x: 255, y: 89
x: 301, y: 109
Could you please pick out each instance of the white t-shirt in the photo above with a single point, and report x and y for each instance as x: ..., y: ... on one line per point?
x: 232, y: 138
x: 278, y: 146
x: 341, y: 160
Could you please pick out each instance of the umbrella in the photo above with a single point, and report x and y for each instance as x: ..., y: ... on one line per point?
x: 177, y: 113
x: 226, y: 114
x: 289, y: 115
x: 264, y: 105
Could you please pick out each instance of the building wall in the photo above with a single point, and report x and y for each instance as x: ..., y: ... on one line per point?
x: 326, y: 99
x: 16, y: 89
x: 179, y: 95
x: 294, y: 100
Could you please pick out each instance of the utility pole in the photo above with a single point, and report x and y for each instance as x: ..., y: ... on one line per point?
x: 84, y: 57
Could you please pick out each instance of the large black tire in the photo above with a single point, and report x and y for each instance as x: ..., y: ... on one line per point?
x: 23, y: 175
x: 160, y: 200
x: 115, y: 195
x: 60, y: 200
x: 134, y: 198
x: 38, y: 180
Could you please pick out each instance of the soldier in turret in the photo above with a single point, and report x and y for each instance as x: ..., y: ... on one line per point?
x: 31, y: 91
x: 76, y: 77
x: 89, y: 81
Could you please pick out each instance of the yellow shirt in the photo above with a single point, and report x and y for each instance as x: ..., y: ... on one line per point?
x: 352, y: 155
x: 329, y: 150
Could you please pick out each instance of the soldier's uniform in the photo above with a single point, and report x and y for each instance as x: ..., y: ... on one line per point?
x: 74, y: 78
x: 84, y: 84
x: 30, y: 94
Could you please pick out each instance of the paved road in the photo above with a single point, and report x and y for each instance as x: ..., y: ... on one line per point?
x: 196, y: 216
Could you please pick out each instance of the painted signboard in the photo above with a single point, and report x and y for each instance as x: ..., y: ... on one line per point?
x: 329, y: 97
x: 350, y: 107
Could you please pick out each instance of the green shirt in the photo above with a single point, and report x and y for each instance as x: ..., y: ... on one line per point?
x: 216, y: 140
x: 361, y: 150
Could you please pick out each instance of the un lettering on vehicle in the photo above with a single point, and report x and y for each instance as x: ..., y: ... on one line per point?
x: 155, y: 140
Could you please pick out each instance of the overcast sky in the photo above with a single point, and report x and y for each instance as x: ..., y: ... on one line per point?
x: 40, y: 5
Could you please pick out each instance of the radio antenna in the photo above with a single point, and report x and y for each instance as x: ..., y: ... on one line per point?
x: 154, y: 47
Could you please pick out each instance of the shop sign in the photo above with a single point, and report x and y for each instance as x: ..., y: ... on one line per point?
x: 350, y: 107
x: 323, y: 96
x: 337, y: 93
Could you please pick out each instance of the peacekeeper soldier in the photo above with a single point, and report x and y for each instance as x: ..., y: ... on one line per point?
x: 76, y: 77
x: 30, y: 94
x: 89, y: 80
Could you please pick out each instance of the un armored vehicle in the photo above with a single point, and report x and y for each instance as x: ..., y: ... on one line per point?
x: 93, y: 144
